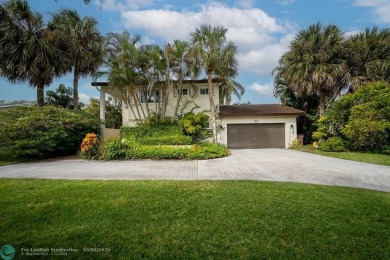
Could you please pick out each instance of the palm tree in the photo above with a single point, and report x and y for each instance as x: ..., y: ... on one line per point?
x: 26, y: 52
x: 180, y: 59
x: 368, y: 56
x: 212, y: 53
x: 124, y: 75
x: 227, y: 88
x: 83, y: 42
x: 314, y: 64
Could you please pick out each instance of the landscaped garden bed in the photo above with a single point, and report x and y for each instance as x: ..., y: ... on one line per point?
x: 145, y: 142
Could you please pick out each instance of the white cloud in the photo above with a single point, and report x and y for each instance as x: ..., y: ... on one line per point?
x: 84, y: 98
x: 245, y: 3
x: 263, y: 89
x: 284, y: 2
x: 110, y: 5
x: 351, y: 33
x: 256, y: 34
x: 381, y: 8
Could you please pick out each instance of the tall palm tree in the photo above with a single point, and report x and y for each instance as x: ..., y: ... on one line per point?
x: 83, y: 43
x: 212, y: 53
x: 180, y: 68
x: 124, y: 74
x: 314, y: 63
x: 26, y: 51
x: 368, y: 56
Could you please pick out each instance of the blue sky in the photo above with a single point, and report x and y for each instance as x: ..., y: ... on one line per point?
x: 261, y: 29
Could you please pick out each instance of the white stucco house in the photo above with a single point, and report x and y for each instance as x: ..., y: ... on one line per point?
x: 244, y: 126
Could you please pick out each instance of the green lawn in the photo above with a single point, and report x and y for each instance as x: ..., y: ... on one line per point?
x: 195, y: 219
x: 374, y: 158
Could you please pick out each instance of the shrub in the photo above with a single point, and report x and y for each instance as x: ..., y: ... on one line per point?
x: 166, y: 140
x: 208, y: 150
x: 194, y: 125
x: 332, y: 144
x: 361, y: 118
x: 162, y: 135
x: 90, y: 146
x: 43, y: 132
x: 296, y: 144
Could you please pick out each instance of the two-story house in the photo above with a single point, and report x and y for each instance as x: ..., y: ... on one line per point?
x: 244, y: 126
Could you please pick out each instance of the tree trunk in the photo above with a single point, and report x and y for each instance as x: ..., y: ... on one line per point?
x: 76, y: 76
x: 40, y: 96
x: 212, y: 107
x: 322, y: 103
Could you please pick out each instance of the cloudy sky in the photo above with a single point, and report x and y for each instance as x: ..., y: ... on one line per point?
x: 262, y: 30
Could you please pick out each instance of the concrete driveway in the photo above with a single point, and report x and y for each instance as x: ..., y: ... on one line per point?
x: 264, y: 164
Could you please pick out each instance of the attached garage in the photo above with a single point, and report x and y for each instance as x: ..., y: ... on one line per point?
x: 253, y: 136
x: 258, y: 126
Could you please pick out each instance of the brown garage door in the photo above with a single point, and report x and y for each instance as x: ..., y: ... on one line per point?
x: 252, y: 136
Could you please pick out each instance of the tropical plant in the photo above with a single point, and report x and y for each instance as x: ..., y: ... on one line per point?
x: 368, y: 56
x: 82, y: 41
x: 314, y: 64
x: 27, y: 52
x: 213, y: 54
x: 122, y: 70
x: 194, y: 125
x: 361, y: 118
x: 180, y: 67
x: 43, y: 132
x: 62, y: 96
x: 227, y: 88
x: 113, y: 111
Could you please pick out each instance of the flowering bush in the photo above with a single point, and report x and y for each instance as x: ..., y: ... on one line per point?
x: 89, y: 146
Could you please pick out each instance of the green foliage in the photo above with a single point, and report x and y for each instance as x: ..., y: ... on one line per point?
x: 361, y: 118
x: 62, y: 97
x: 332, y: 144
x: 296, y: 145
x: 113, y: 112
x: 155, y: 120
x: 368, y: 128
x: 35, y: 132
x: 194, y: 125
x: 166, y: 140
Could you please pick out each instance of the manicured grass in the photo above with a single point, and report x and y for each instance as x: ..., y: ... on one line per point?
x: 374, y: 158
x: 195, y: 219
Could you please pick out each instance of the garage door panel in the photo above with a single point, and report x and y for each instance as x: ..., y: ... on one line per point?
x: 253, y: 136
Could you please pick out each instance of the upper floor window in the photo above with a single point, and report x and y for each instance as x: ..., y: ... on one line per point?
x: 153, y: 97
x: 204, y: 91
x: 184, y: 91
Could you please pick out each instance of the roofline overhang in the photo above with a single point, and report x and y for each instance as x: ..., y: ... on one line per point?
x: 196, y: 81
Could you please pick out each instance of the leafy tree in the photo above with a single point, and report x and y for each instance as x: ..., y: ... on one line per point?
x: 26, y: 50
x: 82, y: 41
x: 113, y: 114
x: 368, y: 56
x: 361, y: 118
x: 314, y: 64
x: 62, y: 97
x: 309, y: 104
x: 213, y: 54
x: 43, y: 132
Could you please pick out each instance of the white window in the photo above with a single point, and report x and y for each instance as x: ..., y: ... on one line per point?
x: 204, y: 91
x: 184, y: 91
x: 153, y: 97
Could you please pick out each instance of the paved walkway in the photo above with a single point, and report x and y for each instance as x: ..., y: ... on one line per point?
x: 264, y: 164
